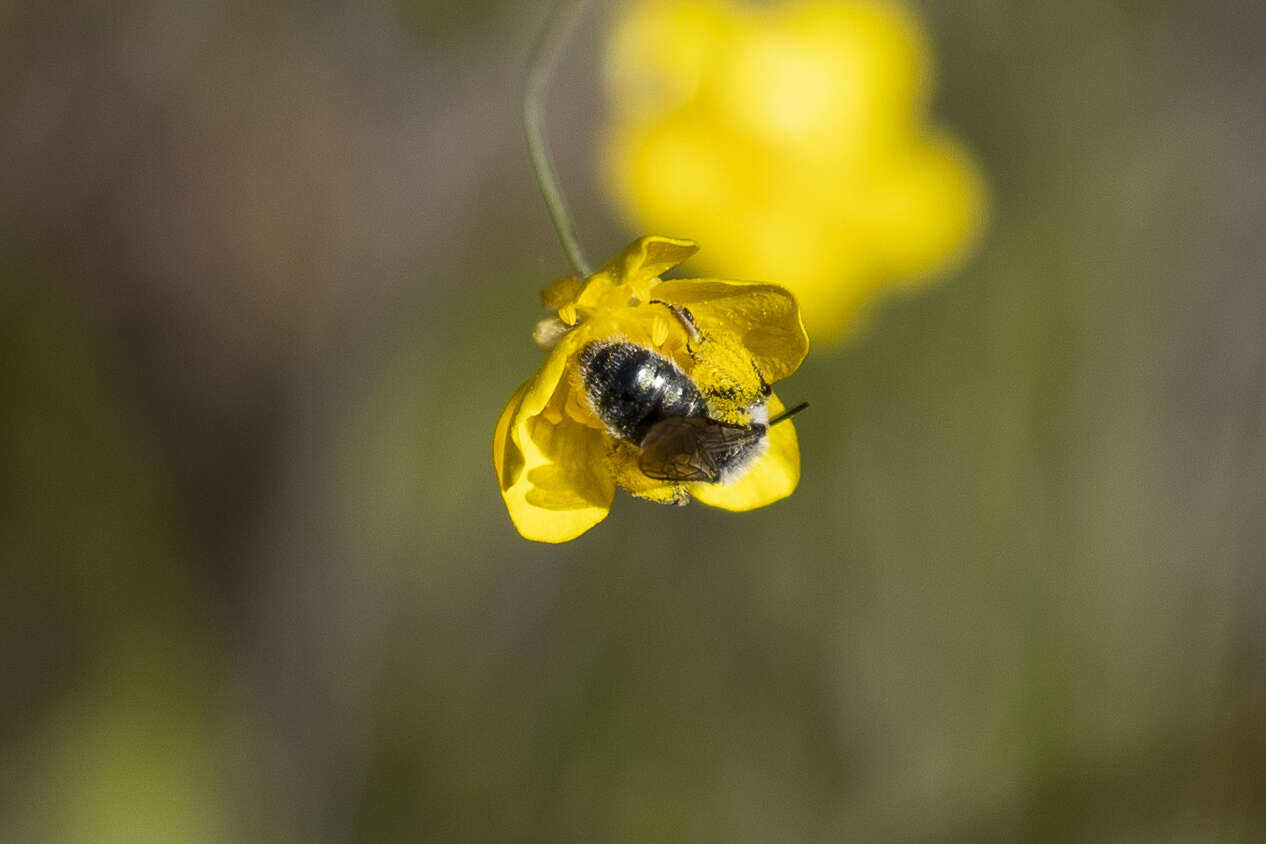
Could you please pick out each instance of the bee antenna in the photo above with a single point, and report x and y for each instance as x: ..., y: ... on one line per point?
x: 787, y: 414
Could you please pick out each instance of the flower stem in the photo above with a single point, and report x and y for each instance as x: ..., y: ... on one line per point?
x: 540, y: 68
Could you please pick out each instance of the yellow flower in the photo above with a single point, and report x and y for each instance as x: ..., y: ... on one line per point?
x: 794, y: 139
x: 637, y: 367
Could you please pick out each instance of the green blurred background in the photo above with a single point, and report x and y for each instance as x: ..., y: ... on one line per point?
x: 267, y: 277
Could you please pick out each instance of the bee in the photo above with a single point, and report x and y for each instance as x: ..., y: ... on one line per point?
x: 645, y: 399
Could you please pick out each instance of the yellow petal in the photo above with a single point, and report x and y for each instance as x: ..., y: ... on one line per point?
x: 630, y: 275
x: 706, y: 198
x: 684, y: 37
x: 507, y: 457
x: 878, y: 50
x: 551, y: 468
x: 771, y: 479
x: 561, y: 292
x: 764, y: 317
x: 563, y: 487
x: 649, y: 257
x: 930, y: 211
x: 795, y: 140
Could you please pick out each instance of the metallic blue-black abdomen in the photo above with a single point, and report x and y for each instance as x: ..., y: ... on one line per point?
x: 631, y: 388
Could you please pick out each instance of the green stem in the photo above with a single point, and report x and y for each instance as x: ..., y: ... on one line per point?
x: 544, y: 60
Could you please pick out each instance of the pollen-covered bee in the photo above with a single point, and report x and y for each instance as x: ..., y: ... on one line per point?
x: 662, y: 388
x: 645, y: 399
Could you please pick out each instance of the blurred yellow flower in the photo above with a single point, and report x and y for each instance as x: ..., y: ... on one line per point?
x: 661, y: 387
x: 793, y: 139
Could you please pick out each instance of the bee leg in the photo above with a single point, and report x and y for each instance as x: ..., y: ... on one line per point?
x: 684, y: 316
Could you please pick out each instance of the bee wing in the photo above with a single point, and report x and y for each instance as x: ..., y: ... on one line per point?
x: 693, y: 448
